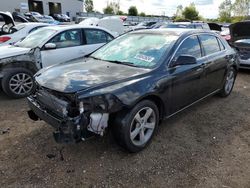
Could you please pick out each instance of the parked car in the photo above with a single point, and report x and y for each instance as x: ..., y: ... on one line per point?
x: 20, y: 18
x: 61, y: 17
x: 42, y: 48
x: 19, y: 32
x: 143, y: 25
x: 113, y: 23
x: 187, y: 25
x: 65, y: 17
x: 240, y: 40
x: 132, y: 83
x: 225, y: 33
x: 7, y: 22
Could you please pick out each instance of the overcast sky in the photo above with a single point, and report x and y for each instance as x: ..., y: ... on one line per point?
x: 207, y: 8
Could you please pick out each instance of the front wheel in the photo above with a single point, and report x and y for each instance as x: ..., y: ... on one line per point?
x: 229, y: 84
x: 18, y: 82
x: 134, y: 129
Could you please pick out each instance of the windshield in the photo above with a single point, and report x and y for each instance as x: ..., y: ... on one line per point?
x: 36, y: 38
x: 136, y: 49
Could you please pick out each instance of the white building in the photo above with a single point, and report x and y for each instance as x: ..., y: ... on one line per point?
x: 70, y: 7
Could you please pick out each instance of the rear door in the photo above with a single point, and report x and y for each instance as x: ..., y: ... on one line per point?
x: 186, y: 78
x: 69, y: 46
x: 94, y: 39
x: 215, y: 63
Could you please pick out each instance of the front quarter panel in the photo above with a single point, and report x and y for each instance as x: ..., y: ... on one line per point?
x: 129, y: 92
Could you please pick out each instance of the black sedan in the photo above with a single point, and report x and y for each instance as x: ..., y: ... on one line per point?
x: 132, y: 83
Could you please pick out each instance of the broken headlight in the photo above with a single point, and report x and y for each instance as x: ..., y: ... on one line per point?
x: 100, y: 103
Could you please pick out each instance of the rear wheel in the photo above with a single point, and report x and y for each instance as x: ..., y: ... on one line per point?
x: 18, y: 82
x: 134, y: 129
x: 229, y: 84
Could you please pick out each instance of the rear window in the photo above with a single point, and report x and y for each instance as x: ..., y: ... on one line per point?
x: 222, y: 47
x: 210, y: 44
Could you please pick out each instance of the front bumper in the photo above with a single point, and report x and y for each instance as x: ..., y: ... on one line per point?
x: 67, y: 129
x: 244, y: 64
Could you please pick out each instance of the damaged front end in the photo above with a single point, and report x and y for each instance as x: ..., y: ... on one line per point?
x: 74, y: 119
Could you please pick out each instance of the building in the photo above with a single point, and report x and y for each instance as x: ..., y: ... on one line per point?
x: 69, y: 7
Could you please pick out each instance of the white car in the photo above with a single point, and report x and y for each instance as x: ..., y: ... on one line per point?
x: 19, y: 32
x: 6, y: 22
x: 42, y: 48
x: 113, y: 24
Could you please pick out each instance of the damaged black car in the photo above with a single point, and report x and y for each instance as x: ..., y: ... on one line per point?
x: 240, y: 40
x: 132, y: 83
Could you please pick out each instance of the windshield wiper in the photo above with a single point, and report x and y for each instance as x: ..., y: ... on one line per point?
x: 123, y: 62
x: 95, y: 58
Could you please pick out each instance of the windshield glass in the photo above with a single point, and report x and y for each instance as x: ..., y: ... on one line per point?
x: 137, y: 49
x: 36, y: 38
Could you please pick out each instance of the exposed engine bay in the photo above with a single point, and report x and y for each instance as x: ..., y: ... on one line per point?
x: 73, y: 121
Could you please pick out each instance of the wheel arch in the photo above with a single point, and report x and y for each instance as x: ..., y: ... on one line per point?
x: 20, y: 64
x: 158, y: 101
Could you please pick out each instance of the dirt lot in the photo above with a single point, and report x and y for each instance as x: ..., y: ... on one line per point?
x: 208, y: 145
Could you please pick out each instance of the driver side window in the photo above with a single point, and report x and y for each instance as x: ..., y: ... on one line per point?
x: 191, y: 47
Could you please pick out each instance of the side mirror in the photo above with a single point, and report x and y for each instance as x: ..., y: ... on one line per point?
x: 50, y: 46
x: 184, y: 60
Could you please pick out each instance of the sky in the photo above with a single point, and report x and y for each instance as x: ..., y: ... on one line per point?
x: 206, y: 8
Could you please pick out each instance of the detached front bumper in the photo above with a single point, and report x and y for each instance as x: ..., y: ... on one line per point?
x: 67, y: 129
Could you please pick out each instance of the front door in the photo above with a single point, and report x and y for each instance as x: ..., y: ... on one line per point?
x: 186, y: 78
x: 69, y: 46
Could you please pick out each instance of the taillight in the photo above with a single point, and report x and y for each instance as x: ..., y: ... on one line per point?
x: 4, y: 39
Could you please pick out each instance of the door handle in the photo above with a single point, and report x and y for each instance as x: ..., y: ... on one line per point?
x: 201, y: 67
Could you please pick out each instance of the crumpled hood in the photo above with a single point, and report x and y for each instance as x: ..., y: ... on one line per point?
x: 10, y: 51
x: 240, y: 30
x: 83, y: 74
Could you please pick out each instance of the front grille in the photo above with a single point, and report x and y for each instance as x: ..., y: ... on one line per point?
x: 51, y: 102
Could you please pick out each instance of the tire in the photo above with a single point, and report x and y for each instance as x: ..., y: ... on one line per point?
x: 18, y: 83
x: 229, y: 83
x: 134, y: 129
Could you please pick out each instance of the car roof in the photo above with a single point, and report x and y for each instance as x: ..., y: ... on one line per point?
x: 174, y: 31
x: 59, y: 28
x: 34, y: 24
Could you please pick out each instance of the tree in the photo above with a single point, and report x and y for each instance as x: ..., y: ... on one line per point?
x: 190, y: 12
x: 241, y: 8
x: 142, y: 14
x: 113, y: 7
x: 108, y: 10
x: 89, y: 6
x: 120, y: 12
x: 179, y: 11
x: 132, y: 11
x: 225, y: 10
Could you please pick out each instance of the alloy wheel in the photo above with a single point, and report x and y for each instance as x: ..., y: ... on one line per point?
x: 229, y: 81
x: 142, y: 126
x: 21, y: 83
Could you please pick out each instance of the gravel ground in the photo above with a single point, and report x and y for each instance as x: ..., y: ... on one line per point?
x: 207, y: 145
